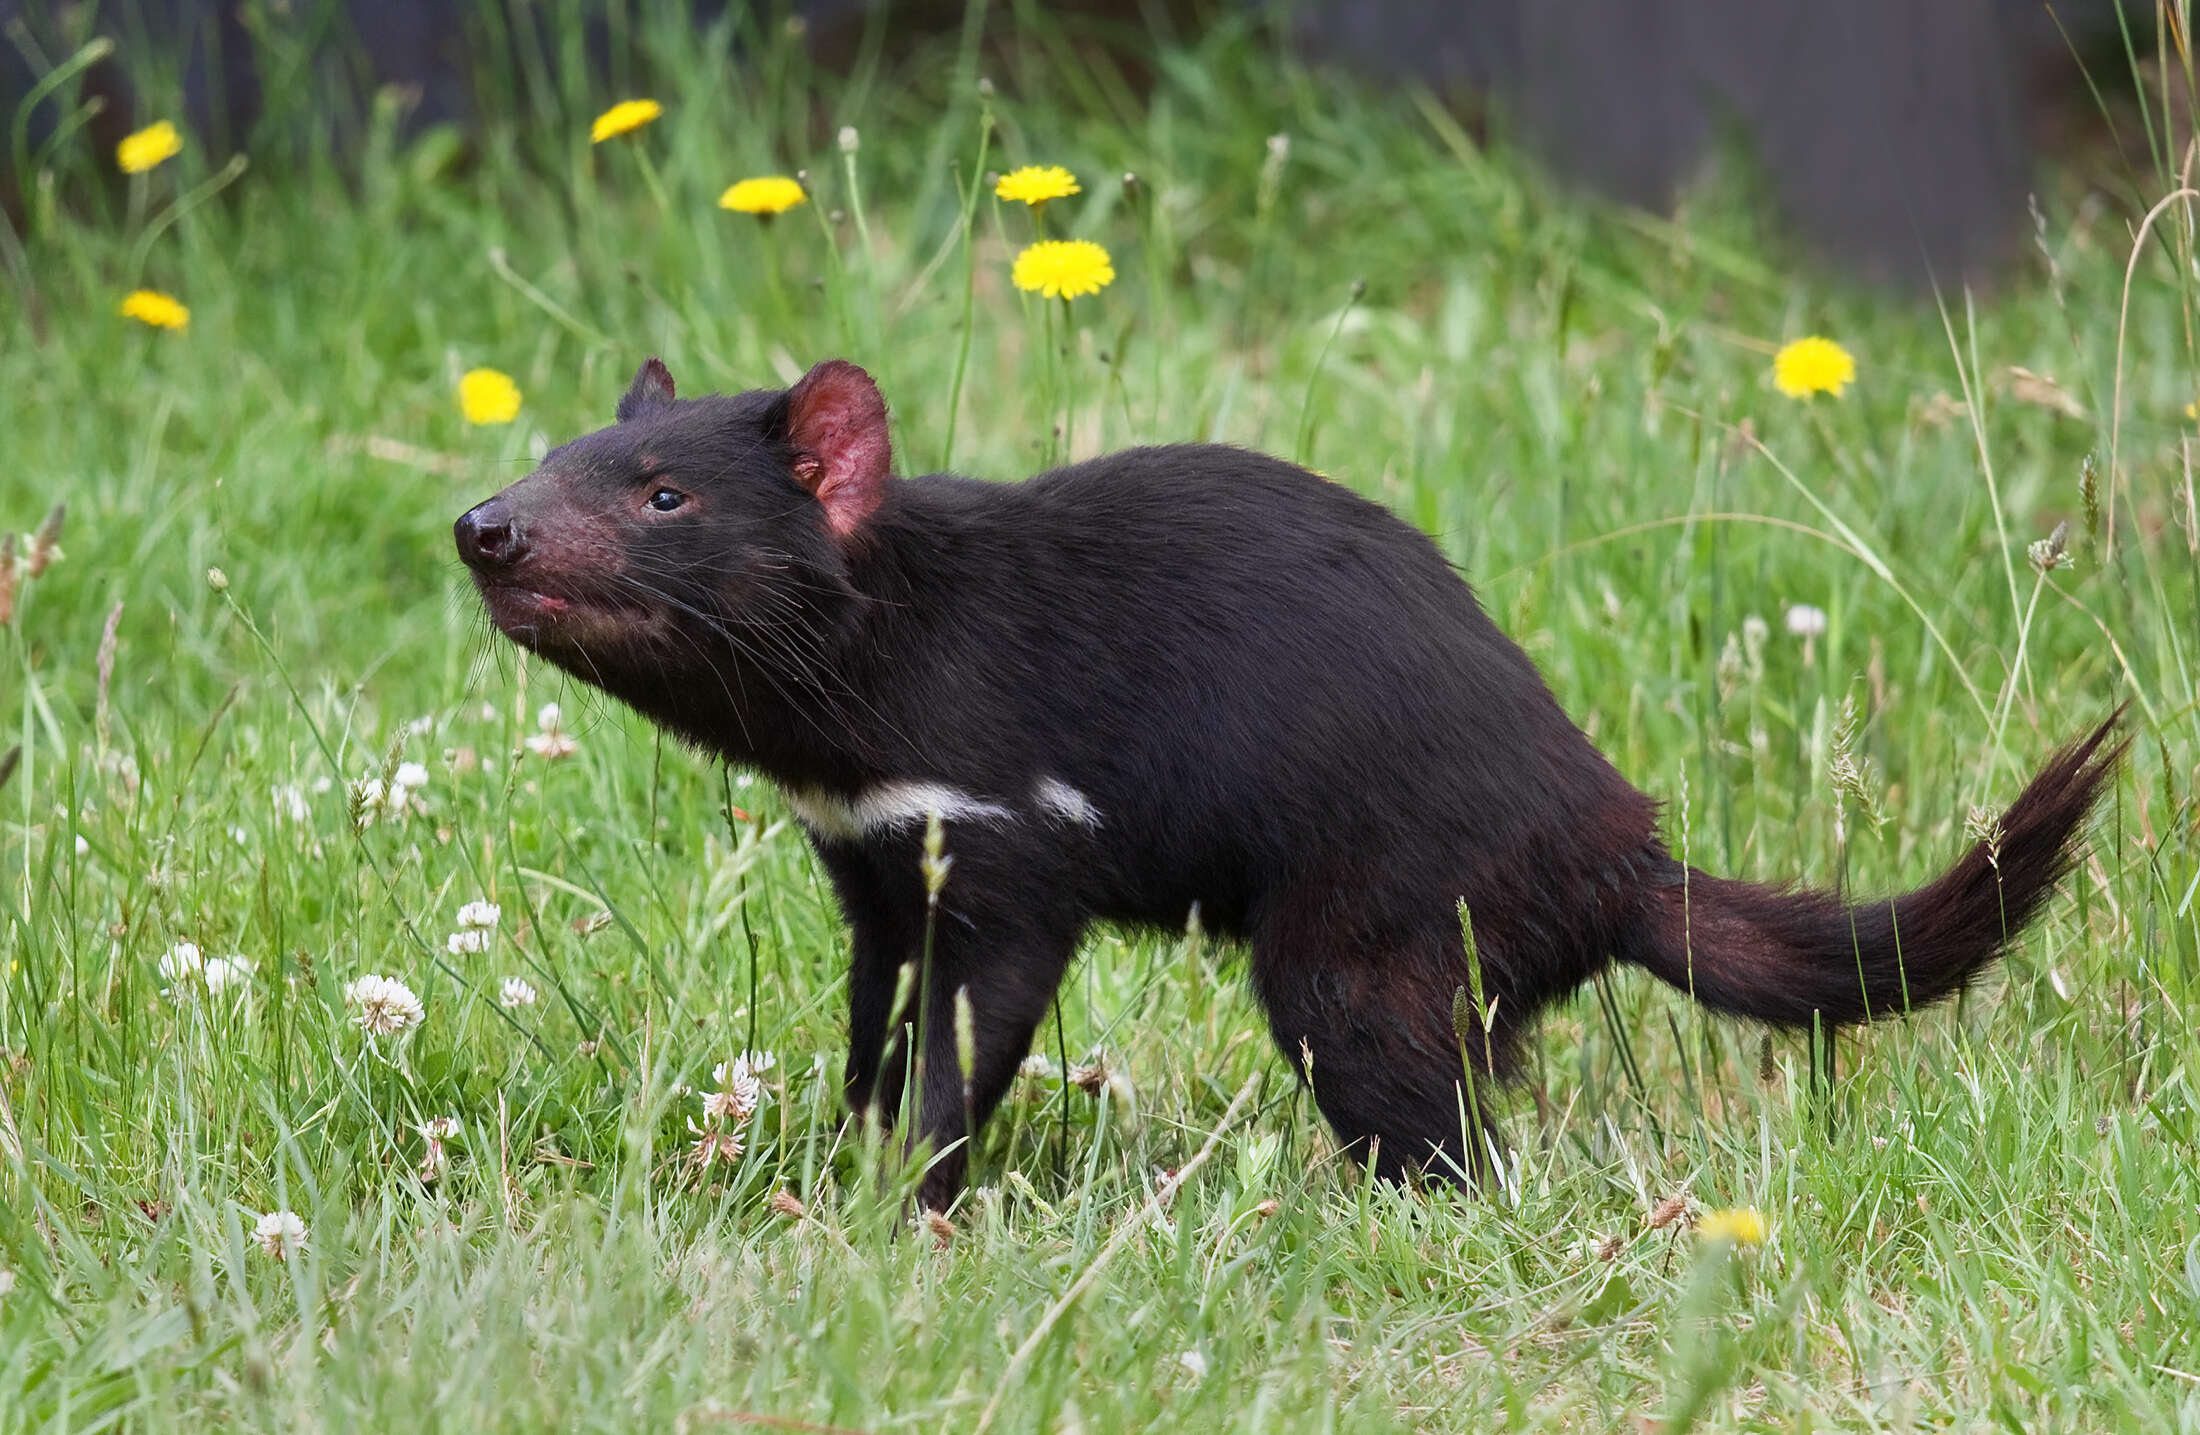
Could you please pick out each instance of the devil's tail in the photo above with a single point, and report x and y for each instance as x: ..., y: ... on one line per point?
x: 1787, y: 956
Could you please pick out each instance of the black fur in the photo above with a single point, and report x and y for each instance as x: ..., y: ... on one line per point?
x: 1282, y: 703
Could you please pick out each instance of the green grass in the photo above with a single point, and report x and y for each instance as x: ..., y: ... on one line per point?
x: 1992, y: 1224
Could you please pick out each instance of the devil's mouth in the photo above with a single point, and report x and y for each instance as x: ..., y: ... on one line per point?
x: 531, y: 615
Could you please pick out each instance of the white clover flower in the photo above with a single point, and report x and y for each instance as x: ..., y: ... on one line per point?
x: 83, y: 847
x: 223, y: 973
x: 549, y: 741
x: 182, y: 963
x: 516, y: 992
x: 482, y: 915
x: 748, y: 1063
x: 1805, y: 621
x: 740, y: 1086
x: 387, y: 1007
x: 411, y: 776
x: 1037, y: 1067
x: 488, y: 712
x: 748, y: 1094
x: 290, y: 802
x: 474, y: 940
x: 434, y: 1160
x: 738, y: 1096
x: 281, y: 1234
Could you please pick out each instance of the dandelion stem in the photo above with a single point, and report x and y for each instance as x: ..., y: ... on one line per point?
x: 1050, y: 383
x: 1065, y: 397
x: 184, y: 203
x: 651, y: 179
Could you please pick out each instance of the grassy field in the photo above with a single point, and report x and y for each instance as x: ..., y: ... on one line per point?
x: 1989, y: 1222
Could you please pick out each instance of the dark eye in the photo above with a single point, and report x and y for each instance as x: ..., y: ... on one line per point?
x: 664, y: 500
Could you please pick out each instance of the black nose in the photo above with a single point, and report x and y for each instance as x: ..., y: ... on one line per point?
x: 487, y: 536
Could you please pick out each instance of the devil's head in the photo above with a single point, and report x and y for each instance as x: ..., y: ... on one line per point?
x: 691, y: 536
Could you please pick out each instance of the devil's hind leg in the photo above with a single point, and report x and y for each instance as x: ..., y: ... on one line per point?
x: 1372, y: 1032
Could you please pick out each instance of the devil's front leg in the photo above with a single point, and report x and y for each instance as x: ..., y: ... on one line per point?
x: 1008, y: 972
x: 886, y: 936
x: 1001, y: 934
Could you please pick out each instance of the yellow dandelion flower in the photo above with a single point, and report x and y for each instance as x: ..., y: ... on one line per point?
x: 763, y: 196
x: 150, y: 306
x: 1812, y: 366
x: 488, y: 396
x: 1741, y: 1226
x: 147, y: 147
x: 1063, y: 268
x: 1035, y: 184
x: 623, y: 118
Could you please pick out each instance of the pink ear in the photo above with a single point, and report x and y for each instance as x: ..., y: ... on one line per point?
x: 651, y: 389
x: 836, y: 424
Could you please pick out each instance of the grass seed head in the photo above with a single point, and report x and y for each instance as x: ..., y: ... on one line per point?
x: 46, y: 542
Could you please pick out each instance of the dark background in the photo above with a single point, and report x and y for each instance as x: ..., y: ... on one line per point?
x: 1897, y: 138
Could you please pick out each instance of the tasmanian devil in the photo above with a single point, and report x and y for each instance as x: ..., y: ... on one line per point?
x: 1173, y: 677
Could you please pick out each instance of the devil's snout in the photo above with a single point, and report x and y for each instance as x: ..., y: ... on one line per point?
x: 489, y: 536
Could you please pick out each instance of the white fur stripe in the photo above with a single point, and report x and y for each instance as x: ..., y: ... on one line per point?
x: 887, y: 806
x: 1066, y: 802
